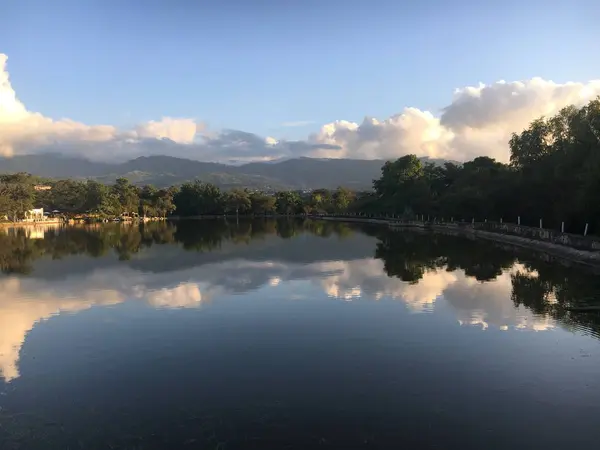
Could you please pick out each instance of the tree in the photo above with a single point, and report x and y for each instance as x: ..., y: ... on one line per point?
x: 148, y: 201
x: 16, y: 195
x: 320, y: 201
x: 402, y: 185
x: 199, y: 198
x: 342, y: 198
x: 101, y: 200
x: 237, y: 200
x: 68, y: 196
x: 261, y: 204
x: 164, y: 202
x: 127, y: 195
x: 288, y: 202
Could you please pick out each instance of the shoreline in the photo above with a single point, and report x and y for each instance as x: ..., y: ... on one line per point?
x: 31, y: 224
x: 565, y: 252
x: 560, y: 251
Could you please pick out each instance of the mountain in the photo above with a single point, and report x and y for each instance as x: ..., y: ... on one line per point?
x: 299, y: 173
x: 53, y: 165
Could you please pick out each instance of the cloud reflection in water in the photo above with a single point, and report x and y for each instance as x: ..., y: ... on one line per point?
x: 166, y: 266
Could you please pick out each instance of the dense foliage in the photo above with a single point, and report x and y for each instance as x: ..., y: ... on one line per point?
x: 22, y: 192
x: 554, y: 175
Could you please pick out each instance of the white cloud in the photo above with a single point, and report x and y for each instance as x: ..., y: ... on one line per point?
x: 25, y: 132
x: 478, y: 121
x: 182, y: 131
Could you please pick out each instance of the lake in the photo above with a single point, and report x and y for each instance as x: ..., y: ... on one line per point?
x: 283, y: 334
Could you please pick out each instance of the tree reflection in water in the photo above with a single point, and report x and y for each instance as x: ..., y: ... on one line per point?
x: 544, y: 287
x: 547, y: 288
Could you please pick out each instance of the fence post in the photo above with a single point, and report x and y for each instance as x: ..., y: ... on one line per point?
x: 586, y: 229
x: 500, y: 219
x: 541, y: 223
x: 562, y: 227
x: 519, y: 220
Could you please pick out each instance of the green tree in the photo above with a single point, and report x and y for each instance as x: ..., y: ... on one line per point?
x: 321, y: 201
x: 16, y: 195
x: 101, y: 200
x: 68, y: 196
x: 199, y: 198
x: 164, y: 202
x: 402, y: 185
x: 148, y: 201
x: 342, y: 198
x: 237, y: 201
x: 127, y: 195
x: 288, y: 202
x: 261, y: 204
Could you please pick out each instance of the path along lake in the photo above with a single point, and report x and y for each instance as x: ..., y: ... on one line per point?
x: 268, y: 334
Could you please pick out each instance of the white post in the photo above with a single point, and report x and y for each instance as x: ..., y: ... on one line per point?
x: 540, y: 223
x: 485, y: 220
x: 562, y: 227
x: 586, y: 229
x: 451, y: 219
x: 519, y: 220
x: 500, y: 219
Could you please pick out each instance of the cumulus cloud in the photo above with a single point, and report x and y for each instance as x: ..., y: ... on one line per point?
x: 478, y: 121
x: 26, y: 132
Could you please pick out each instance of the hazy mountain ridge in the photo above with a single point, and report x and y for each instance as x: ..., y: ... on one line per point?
x: 299, y: 173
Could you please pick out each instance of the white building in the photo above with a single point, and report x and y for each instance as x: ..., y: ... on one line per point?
x: 34, y: 215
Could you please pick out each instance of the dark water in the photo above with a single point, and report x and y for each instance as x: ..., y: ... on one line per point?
x: 290, y: 335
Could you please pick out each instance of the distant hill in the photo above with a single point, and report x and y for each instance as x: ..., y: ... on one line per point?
x: 299, y: 173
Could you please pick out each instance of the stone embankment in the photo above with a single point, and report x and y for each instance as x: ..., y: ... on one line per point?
x: 582, y: 249
x: 572, y: 247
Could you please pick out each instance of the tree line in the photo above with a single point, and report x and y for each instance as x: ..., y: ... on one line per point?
x: 18, y: 194
x: 21, y: 192
x: 553, y: 174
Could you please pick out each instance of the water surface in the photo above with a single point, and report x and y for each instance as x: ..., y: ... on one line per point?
x: 264, y: 334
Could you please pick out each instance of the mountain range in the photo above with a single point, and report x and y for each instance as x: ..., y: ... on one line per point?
x: 161, y: 171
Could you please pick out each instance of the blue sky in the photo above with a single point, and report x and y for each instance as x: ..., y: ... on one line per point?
x: 254, y: 65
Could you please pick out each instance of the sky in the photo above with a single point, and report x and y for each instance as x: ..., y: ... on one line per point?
x: 241, y: 80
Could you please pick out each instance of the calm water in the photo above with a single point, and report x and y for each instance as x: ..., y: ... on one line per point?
x: 289, y: 335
